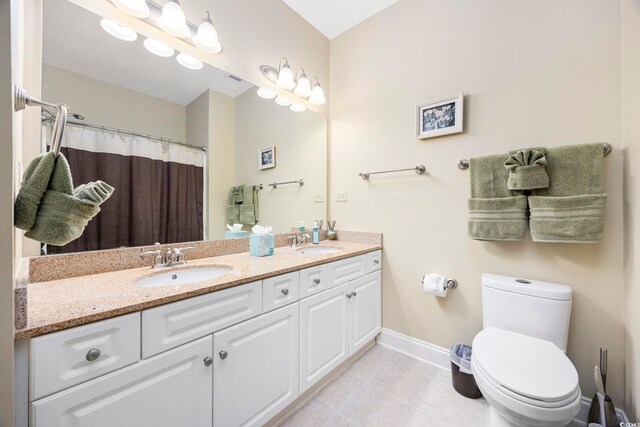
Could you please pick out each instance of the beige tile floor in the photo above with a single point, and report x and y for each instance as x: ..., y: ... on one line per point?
x: 386, y: 388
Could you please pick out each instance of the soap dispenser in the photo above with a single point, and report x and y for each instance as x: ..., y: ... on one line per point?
x: 316, y: 233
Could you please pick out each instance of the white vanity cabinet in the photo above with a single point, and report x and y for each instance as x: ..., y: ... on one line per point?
x: 364, y: 311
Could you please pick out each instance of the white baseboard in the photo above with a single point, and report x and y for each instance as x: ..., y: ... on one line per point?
x: 439, y: 357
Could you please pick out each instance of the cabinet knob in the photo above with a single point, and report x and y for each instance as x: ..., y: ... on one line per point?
x: 208, y: 361
x: 93, y: 354
x: 285, y: 291
x: 349, y: 295
x: 354, y: 293
x: 316, y: 281
x: 223, y: 354
x: 376, y: 261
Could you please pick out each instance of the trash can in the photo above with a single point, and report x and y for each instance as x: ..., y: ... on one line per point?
x: 461, y: 376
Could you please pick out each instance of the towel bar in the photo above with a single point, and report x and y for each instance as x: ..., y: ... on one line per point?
x: 275, y: 184
x: 463, y: 164
x: 420, y: 169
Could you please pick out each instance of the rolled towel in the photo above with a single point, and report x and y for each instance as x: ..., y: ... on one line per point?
x: 527, y: 170
x: 571, y: 219
x: 94, y: 192
x: 502, y: 218
x: 34, y: 185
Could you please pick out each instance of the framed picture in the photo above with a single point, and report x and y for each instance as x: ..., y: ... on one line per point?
x: 267, y: 158
x: 439, y: 117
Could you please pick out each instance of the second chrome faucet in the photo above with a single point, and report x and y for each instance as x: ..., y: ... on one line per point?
x: 168, y: 258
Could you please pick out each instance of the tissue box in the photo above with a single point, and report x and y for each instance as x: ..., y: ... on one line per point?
x: 262, y: 245
x: 235, y: 234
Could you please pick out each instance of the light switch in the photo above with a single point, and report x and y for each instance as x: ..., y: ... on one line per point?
x: 319, y: 198
x: 341, y: 196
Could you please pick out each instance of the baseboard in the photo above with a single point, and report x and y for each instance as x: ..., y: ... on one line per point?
x: 439, y: 357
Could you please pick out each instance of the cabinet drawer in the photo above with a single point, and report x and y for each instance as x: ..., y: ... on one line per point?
x: 171, y: 325
x: 66, y: 358
x: 280, y: 290
x: 314, y: 280
x: 346, y: 270
x: 374, y: 261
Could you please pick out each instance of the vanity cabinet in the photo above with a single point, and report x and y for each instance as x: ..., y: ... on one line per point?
x: 364, y: 311
x: 256, y: 368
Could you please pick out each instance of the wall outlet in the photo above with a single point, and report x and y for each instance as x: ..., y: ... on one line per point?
x: 341, y: 196
x: 319, y: 198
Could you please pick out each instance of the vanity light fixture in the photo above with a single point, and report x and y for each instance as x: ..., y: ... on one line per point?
x: 189, y: 61
x: 299, y: 86
x: 317, y: 94
x: 266, y: 93
x: 135, y: 8
x: 206, y: 38
x: 282, y: 101
x: 285, y: 75
x: 158, y: 48
x: 303, y: 85
x: 118, y: 31
x: 297, y: 108
x: 173, y: 20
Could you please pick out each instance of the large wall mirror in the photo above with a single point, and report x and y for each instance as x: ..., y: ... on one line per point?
x: 187, y: 151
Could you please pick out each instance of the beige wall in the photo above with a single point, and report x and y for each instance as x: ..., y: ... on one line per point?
x: 534, y: 73
x: 631, y: 139
x: 301, y: 153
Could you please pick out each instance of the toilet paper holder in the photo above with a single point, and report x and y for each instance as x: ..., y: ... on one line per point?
x: 451, y: 283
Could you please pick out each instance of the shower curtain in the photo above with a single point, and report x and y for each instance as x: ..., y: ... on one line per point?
x: 159, y: 189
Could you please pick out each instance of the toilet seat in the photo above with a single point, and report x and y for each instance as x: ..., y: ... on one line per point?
x: 527, y: 369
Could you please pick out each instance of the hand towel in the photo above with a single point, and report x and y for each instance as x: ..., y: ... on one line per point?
x: 527, y: 169
x: 247, y: 215
x: 495, y: 212
x: 233, y: 214
x: 237, y: 195
x: 34, y: 185
x: 571, y: 209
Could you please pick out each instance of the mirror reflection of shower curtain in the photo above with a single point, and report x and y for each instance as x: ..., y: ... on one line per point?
x: 159, y: 189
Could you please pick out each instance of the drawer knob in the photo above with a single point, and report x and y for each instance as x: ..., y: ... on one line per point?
x: 376, y: 261
x: 354, y: 293
x: 349, y: 295
x: 208, y: 361
x: 316, y: 281
x: 223, y: 354
x: 285, y: 291
x: 93, y: 354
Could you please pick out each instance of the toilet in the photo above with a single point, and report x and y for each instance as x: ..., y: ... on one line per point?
x: 519, y: 360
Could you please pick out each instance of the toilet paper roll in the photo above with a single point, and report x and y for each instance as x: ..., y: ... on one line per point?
x: 435, y: 284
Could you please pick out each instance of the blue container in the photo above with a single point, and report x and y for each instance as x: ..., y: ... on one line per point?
x: 262, y: 245
x: 235, y: 234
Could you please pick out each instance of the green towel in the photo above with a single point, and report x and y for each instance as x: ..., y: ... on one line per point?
x: 527, y: 169
x: 495, y: 212
x: 236, y: 195
x: 571, y: 209
x: 233, y: 214
x: 247, y: 215
x: 34, y: 184
x: 64, y: 213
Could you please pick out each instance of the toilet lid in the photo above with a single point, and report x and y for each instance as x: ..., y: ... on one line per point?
x: 525, y: 365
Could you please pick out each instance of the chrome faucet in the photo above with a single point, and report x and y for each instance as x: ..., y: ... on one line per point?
x: 169, y: 258
x: 298, y: 239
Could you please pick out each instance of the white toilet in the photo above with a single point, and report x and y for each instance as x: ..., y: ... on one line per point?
x: 519, y: 360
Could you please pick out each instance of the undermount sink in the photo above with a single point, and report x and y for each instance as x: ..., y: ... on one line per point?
x: 320, y: 250
x: 183, y: 277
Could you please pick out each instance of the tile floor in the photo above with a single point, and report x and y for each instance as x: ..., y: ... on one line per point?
x: 386, y: 388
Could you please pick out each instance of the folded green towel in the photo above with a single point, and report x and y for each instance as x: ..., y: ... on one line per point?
x: 571, y: 219
x: 34, y: 184
x: 247, y: 215
x: 233, y: 214
x: 94, y: 192
x: 503, y: 218
x: 247, y: 194
x: 236, y: 195
x: 527, y: 169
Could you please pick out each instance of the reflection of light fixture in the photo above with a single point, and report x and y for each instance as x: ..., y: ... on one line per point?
x: 189, y: 61
x: 207, y: 36
x: 285, y: 76
x: 136, y: 8
x: 266, y: 93
x: 317, y: 94
x: 281, y: 100
x: 118, y: 31
x: 297, y: 108
x: 303, y: 86
x: 173, y: 20
x: 158, y: 48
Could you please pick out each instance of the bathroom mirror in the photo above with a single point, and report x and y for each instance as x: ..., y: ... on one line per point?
x: 173, y: 141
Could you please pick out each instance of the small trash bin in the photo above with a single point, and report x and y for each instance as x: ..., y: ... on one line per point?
x: 461, y: 376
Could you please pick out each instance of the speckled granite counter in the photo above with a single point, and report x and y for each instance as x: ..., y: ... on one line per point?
x: 65, y: 303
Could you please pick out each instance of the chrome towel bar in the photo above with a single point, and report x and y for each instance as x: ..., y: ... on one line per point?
x: 463, y: 164
x: 420, y: 169
x: 275, y: 184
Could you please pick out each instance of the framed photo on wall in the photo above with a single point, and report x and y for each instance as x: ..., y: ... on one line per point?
x: 267, y: 158
x: 439, y: 117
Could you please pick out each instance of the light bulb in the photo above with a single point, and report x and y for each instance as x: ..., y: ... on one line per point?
x: 303, y: 87
x: 118, y: 31
x: 285, y: 77
x: 297, y: 108
x: 281, y: 100
x: 207, y: 36
x: 173, y: 20
x: 266, y: 93
x: 189, y: 61
x: 136, y: 8
x: 317, y: 94
x: 158, y: 48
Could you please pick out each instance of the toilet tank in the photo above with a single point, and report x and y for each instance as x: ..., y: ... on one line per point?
x: 529, y: 307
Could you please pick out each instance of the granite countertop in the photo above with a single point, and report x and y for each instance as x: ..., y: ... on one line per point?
x: 65, y: 303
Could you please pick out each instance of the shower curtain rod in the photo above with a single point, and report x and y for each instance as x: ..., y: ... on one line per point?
x: 127, y: 132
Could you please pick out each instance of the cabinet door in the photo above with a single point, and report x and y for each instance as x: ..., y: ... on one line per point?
x: 172, y: 389
x: 324, y: 341
x: 365, y: 310
x: 256, y: 368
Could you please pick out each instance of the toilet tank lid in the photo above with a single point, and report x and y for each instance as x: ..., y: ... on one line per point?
x: 536, y: 288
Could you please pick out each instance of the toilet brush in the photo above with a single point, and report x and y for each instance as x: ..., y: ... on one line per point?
x: 602, y: 410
